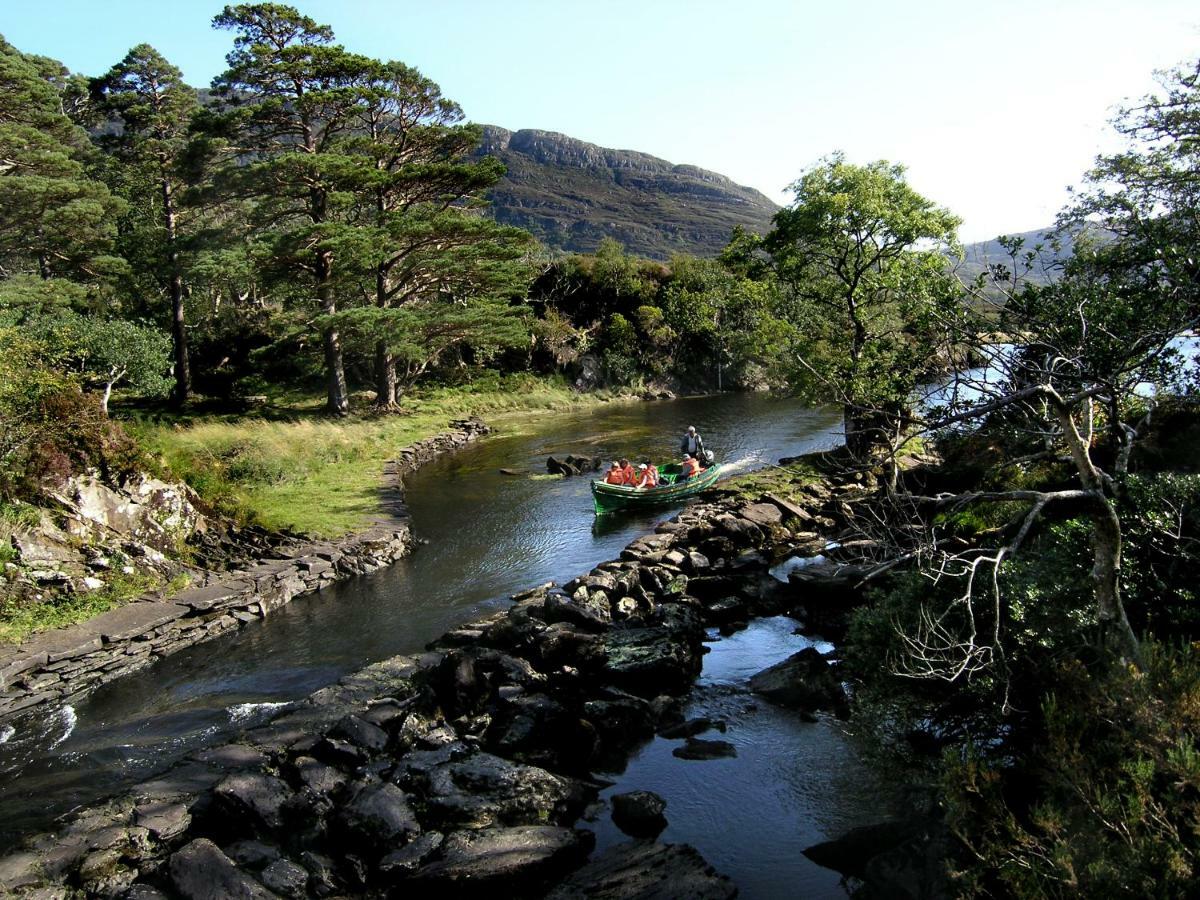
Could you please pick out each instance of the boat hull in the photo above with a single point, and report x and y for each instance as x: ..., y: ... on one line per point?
x: 611, y: 497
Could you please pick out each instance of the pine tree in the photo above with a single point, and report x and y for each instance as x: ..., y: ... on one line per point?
x: 148, y: 98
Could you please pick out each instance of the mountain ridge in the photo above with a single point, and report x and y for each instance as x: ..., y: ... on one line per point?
x: 572, y: 194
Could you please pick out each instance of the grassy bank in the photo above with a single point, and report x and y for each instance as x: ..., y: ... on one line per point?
x: 290, y: 467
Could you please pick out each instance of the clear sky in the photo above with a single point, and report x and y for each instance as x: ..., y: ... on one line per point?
x: 995, y: 108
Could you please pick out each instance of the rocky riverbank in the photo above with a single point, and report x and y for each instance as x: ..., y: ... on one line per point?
x: 466, y: 767
x: 238, y: 575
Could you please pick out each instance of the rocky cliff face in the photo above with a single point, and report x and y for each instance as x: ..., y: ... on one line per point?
x: 572, y: 194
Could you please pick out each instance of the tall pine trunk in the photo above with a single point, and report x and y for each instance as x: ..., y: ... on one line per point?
x: 338, y: 401
x: 183, y: 372
x: 385, y: 376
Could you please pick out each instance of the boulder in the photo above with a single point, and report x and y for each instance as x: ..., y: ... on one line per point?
x: 482, y: 790
x: 403, y: 862
x: 200, y: 871
x: 252, y: 799
x: 850, y: 853
x: 286, y: 878
x: 646, y: 871
x: 804, y: 680
x: 652, y: 660
x: 639, y: 813
x: 505, y: 861
x: 360, y: 733
x: 762, y: 514
x: 377, y: 815
x: 695, y: 748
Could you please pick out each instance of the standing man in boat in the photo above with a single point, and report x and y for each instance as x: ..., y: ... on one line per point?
x: 692, y: 444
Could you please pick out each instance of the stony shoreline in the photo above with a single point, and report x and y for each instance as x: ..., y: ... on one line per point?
x: 460, y: 769
x: 61, y: 666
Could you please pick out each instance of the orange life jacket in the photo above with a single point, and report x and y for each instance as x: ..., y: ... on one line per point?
x: 615, y: 476
x: 631, y: 476
x: 648, y: 478
x: 690, y: 468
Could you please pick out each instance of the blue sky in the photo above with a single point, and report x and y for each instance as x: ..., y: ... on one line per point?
x: 995, y: 108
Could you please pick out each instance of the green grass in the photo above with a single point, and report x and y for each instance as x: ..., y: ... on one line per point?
x: 290, y: 467
x: 18, y: 621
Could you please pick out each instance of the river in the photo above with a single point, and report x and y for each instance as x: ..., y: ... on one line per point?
x: 489, y: 535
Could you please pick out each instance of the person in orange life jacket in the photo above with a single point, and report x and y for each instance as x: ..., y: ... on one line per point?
x: 631, y: 475
x: 616, y: 475
x: 690, y: 469
x: 647, y: 476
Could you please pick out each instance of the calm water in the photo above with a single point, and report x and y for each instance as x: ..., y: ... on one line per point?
x: 792, y: 784
x: 489, y: 535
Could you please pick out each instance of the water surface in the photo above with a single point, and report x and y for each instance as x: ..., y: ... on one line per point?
x: 489, y: 535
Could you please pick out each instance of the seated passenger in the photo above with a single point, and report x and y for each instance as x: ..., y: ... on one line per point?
x: 647, y: 476
x: 616, y: 475
x: 631, y: 475
x: 690, y: 467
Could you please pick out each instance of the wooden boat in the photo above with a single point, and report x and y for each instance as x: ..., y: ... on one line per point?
x: 609, y: 497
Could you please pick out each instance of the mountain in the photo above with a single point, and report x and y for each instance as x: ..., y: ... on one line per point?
x: 571, y: 194
x: 979, y: 256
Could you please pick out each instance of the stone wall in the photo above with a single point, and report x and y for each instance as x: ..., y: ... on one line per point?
x: 62, y: 665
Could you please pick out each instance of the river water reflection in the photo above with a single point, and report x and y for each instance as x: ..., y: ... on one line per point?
x: 489, y: 536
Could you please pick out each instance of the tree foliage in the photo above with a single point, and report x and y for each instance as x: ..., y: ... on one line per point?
x: 861, y: 255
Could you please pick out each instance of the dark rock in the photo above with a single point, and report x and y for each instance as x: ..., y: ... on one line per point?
x: 163, y: 820
x: 538, y: 729
x: 483, y: 790
x: 804, y: 680
x: 649, y: 661
x: 377, y: 815
x: 322, y: 877
x: 456, y: 684
x: 362, y: 734
x: 621, y: 720
x: 850, y: 853
x: 727, y: 609
x: 695, y: 748
x: 514, y: 861
x: 762, y: 514
x: 588, y: 616
x: 639, y: 813
x: 403, y: 862
x: 202, y: 872
x: 252, y: 854
x: 340, y: 753
x: 318, y: 777
x: 912, y: 870
x: 252, y: 799
x: 646, y: 871
x: 285, y: 878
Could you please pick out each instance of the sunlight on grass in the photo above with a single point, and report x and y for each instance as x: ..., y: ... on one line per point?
x: 292, y: 468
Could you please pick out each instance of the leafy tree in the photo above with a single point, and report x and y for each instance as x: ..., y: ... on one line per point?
x: 860, y: 254
x: 727, y: 323
x: 107, y: 352
x: 55, y: 220
x: 148, y: 98
x: 419, y: 236
x: 290, y: 96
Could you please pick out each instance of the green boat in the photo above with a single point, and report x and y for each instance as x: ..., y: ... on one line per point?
x: 610, y: 497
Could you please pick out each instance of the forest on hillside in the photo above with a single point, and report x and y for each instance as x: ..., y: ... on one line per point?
x: 307, y: 237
